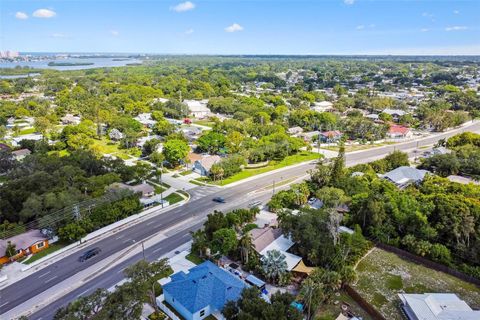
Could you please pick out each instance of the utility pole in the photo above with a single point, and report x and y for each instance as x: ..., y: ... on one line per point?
x: 143, y: 251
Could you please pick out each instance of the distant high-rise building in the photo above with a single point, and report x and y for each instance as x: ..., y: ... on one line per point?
x: 9, y: 54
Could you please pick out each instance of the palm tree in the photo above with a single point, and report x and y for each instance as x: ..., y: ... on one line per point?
x: 200, y: 242
x: 246, y: 247
x: 274, y: 264
x: 312, y: 295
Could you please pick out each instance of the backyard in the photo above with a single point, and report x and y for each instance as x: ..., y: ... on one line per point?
x: 382, y: 275
x: 105, y: 146
x: 331, y: 310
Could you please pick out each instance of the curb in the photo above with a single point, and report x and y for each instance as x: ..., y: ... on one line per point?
x: 90, y: 239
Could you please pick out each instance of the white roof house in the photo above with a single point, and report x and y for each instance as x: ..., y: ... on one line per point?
x: 198, y: 108
x: 322, y: 106
x: 282, y: 244
x: 403, y: 176
x: 437, y: 306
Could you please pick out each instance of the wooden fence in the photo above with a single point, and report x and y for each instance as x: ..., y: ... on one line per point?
x: 364, y: 304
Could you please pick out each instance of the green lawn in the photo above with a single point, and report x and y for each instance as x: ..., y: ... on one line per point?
x: 51, y: 248
x: 173, y: 198
x: 27, y: 131
x: 382, y: 275
x: 192, y: 257
x: 206, y: 123
x: 106, y: 146
x: 290, y: 160
x: 358, y: 147
x: 61, y: 153
x: 186, y: 172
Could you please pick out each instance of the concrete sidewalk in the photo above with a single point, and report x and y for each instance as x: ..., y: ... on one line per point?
x: 15, y: 274
x: 70, y: 284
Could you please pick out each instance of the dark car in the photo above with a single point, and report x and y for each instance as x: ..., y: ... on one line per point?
x: 219, y: 199
x: 89, y: 254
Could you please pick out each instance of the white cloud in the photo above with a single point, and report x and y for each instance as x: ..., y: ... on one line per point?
x: 372, y: 25
x: 114, y: 33
x: 184, y: 6
x: 456, y: 11
x: 234, y: 28
x: 189, y: 31
x: 456, y: 28
x: 424, y: 30
x: 360, y: 27
x: 429, y: 15
x: 21, y: 15
x: 349, y: 2
x: 59, y: 35
x: 44, y: 13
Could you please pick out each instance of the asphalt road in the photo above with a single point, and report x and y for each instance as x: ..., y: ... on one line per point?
x: 198, y: 207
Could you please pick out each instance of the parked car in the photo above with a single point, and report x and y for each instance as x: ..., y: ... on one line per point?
x: 89, y: 254
x: 255, y: 204
x: 219, y: 199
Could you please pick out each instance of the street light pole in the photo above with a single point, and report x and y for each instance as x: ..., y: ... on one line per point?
x: 143, y: 251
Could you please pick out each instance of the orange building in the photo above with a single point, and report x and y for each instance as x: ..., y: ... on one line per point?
x: 29, y: 242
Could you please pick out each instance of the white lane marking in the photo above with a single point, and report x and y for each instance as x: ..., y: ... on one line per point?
x: 52, y: 278
x: 121, y: 270
x: 119, y: 237
x: 149, y: 223
x: 158, y: 249
x: 43, y: 275
x: 1, y: 305
x: 127, y: 240
x: 82, y: 293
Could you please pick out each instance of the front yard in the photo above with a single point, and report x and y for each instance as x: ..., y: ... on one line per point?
x: 331, y: 310
x: 51, y: 248
x: 382, y: 275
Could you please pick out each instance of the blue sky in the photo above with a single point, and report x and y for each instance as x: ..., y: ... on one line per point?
x: 242, y: 26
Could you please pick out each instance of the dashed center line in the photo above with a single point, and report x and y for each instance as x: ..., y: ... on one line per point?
x: 43, y: 275
x: 158, y: 249
x: 52, y: 278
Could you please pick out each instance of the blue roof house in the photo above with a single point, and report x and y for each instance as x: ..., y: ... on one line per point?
x: 202, y: 291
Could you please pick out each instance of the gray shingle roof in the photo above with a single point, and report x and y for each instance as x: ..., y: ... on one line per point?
x: 405, y: 175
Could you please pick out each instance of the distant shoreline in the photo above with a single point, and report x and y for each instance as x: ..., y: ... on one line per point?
x: 69, y: 64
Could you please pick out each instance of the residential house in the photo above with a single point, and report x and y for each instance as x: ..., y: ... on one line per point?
x: 399, y: 132
x: 201, y: 292
x: 70, y: 119
x: 191, y: 132
x: 268, y: 239
x: 404, y: 176
x: 29, y: 242
x: 203, y: 165
x: 436, y: 306
x: 395, y: 113
x: 309, y: 136
x: 198, y: 108
x: 115, y: 134
x: 294, y: 130
x: 19, y: 155
x: 330, y: 136
x: 146, y: 120
x: 34, y: 136
x: 144, y: 189
x: 322, y: 106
